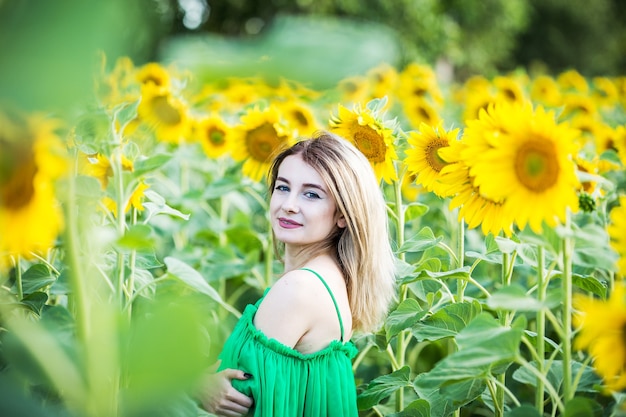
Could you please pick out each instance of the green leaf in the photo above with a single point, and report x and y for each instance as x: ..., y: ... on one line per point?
x: 88, y: 187
x: 221, y: 187
x: 484, y: 345
x: 523, y: 411
x: 138, y: 236
x: 514, y: 298
x: 126, y: 113
x: 447, y: 322
x: 403, y: 317
x: 164, y: 352
x: 144, y: 164
x: 382, y: 387
x: 37, y: 277
x: 191, y: 277
x: 418, y: 408
x: 583, y: 407
x: 459, y: 273
x: 587, y: 383
x: 415, y: 210
x: 590, y: 284
x: 157, y: 205
x: 493, y: 257
x: 423, y: 240
x: 505, y: 245
x: 35, y: 301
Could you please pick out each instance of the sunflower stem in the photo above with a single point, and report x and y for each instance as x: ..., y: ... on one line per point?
x: 131, y: 275
x: 541, y: 329
x: 401, y: 339
x: 18, y: 277
x: 460, y: 244
x: 567, y: 312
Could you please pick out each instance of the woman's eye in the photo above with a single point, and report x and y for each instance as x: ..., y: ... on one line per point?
x: 311, y: 194
x: 281, y: 188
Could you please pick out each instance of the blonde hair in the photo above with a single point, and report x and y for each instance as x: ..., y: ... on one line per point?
x: 362, y: 248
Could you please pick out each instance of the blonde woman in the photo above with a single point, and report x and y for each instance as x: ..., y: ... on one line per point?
x: 290, y: 354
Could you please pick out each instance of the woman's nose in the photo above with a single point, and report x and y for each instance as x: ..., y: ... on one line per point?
x: 290, y: 204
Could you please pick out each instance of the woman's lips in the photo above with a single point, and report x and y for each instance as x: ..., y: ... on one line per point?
x: 287, y: 223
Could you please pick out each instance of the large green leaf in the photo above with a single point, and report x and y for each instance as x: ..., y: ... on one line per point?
x: 143, y: 164
x: 515, y: 298
x: 383, y: 386
x: 447, y: 322
x: 37, y: 277
x: 587, y: 382
x: 423, y: 240
x: 418, y: 408
x: 191, y: 277
x: 403, y: 317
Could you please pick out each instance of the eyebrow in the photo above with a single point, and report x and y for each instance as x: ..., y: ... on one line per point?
x: 306, y: 185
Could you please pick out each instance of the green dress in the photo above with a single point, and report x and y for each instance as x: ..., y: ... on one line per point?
x: 285, y: 382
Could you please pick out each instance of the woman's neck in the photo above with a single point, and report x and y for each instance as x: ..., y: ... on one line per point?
x: 297, y: 257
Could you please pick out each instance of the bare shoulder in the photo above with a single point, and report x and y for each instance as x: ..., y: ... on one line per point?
x: 286, y: 312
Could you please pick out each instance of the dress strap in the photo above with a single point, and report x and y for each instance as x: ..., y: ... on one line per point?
x: 331, y: 296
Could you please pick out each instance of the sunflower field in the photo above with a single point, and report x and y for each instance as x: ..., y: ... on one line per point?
x: 135, y: 230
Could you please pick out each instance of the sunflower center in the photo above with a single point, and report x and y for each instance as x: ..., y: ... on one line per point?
x: 262, y: 141
x: 432, y: 154
x: 164, y: 111
x: 371, y: 144
x: 300, y: 118
x: 17, y: 173
x: 536, y: 165
x: 216, y: 136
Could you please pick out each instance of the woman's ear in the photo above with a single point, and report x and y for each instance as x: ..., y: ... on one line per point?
x: 341, y: 222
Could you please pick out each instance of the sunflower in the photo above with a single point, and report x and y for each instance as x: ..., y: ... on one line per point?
x: 578, y: 105
x: 423, y: 158
x: 135, y: 200
x: 605, y: 92
x: 545, y: 90
x: 166, y: 113
x: 527, y: 163
x: 619, y: 142
x: 371, y: 135
x: 99, y: 167
x: 418, y: 82
x: 153, y: 73
x: 572, y: 81
x: 383, y: 79
x: 617, y: 232
x: 214, y: 134
x: 603, y: 334
x: 474, y: 208
x: 298, y: 116
x: 259, y: 136
x: 419, y: 110
x: 354, y: 89
x: 32, y: 159
x: 509, y: 89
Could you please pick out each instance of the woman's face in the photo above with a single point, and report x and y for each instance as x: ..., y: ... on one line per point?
x: 302, y: 209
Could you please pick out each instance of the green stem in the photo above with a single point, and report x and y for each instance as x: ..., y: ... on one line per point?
x: 401, y: 341
x: 460, y: 244
x: 79, y: 292
x: 130, y: 287
x: 120, y: 200
x: 549, y: 387
x: 541, y: 329
x: 567, y: 314
x: 18, y: 277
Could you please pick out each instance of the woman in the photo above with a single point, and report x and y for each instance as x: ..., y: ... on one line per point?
x: 290, y: 353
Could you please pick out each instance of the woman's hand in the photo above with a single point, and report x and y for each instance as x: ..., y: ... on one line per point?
x: 220, y: 398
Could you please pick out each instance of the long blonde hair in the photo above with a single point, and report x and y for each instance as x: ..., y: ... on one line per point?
x: 362, y: 248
